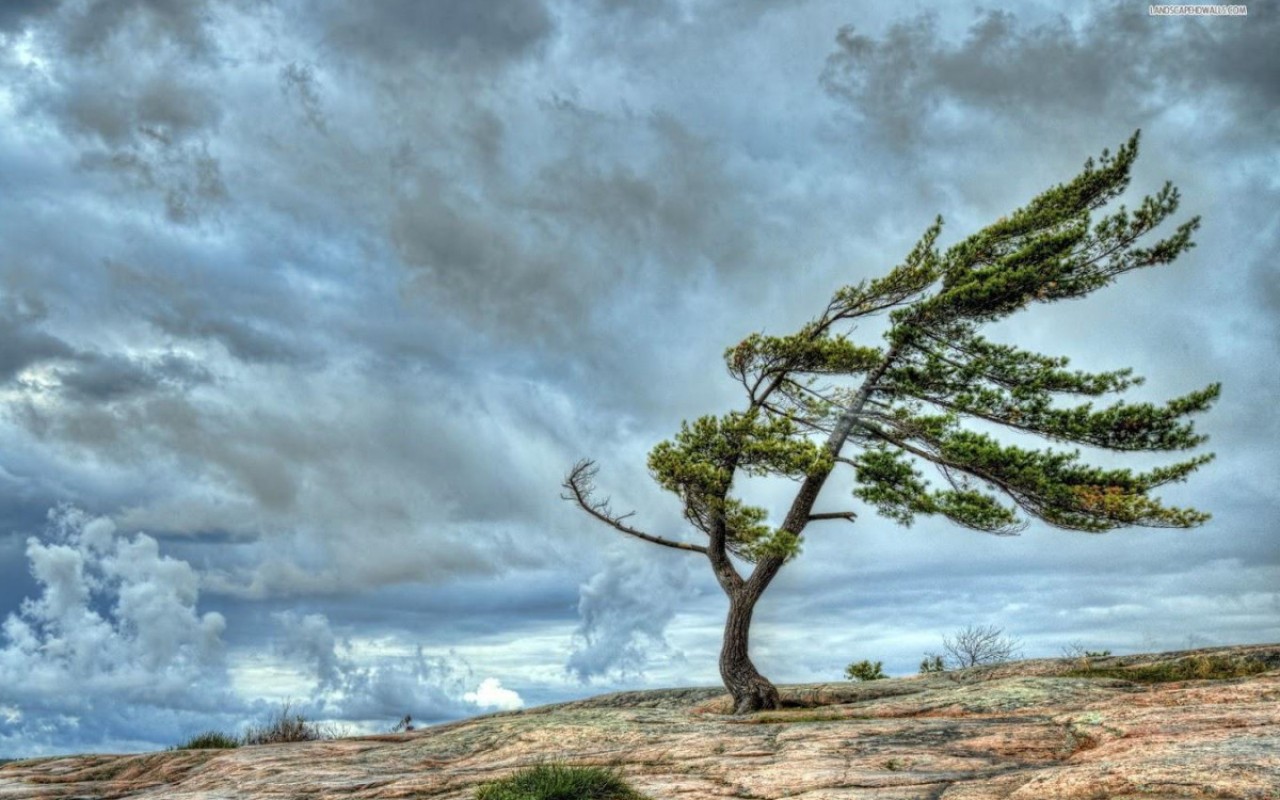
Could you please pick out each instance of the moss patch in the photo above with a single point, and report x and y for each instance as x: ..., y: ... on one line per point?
x: 1195, y: 668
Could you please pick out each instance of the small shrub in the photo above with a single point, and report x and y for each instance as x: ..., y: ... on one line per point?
x: 405, y: 724
x: 209, y: 740
x: 865, y: 671
x: 559, y: 782
x: 979, y: 645
x: 286, y: 725
x: 1077, y: 651
x: 932, y: 663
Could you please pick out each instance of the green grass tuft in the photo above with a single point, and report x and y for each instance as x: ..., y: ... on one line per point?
x: 559, y: 782
x: 209, y: 740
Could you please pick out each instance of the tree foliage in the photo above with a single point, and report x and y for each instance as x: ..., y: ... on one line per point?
x: 865, y: 670
x: 932, y: 663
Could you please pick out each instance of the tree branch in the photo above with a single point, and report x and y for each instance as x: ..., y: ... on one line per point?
x: 802, y: 505
x: 848, y: 515
x: 580, y: 483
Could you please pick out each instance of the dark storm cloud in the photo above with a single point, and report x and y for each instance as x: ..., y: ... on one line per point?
x: 99, y: 378
x: 398, y: 31
x: 129, y: 84
x: 84, y: 376
x: 22, y: 343
x: 14, y: 14
x: 93, y: 26
x: 548, y: 257
x: 298, y: 82
x: 1117, y: 60
x: 657, y: 9
x: 249, y: 313
x: 117, y: 112
x: 303, y: 478
x: 100, y: 94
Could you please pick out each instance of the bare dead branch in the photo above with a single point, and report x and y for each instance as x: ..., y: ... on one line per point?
x: 581, y: 484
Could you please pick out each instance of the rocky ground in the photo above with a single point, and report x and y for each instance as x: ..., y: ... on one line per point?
x: 1051, y: 730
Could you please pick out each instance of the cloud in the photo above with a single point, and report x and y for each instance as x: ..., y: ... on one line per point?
x: 127, y: 85
x: 16, y: 13
x: 176, y: 302
x: 397, y: 31
x: 310, y: 639
x: 490, y: 694
x: 284, y: 481
x: 22, y: 344
x: 347, y: 265
x: 298, y: 83
x: 113, y: 649
x: 913, y: 79
x: 95, y: 25
x: 386, y: 686
x: 101, y: 378
x: 614, y: 203
x: 113, y: 653
x: 81, y: 375
x: 624, y: 612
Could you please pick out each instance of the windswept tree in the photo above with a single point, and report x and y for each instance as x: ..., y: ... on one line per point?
x: 933, y: 394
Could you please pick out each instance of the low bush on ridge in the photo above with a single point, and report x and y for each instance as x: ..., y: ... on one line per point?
x: 865, y: 670
x: 284, y: 725
x: 1195, y: 668
x: 209, y: 740
x: 932, y: 663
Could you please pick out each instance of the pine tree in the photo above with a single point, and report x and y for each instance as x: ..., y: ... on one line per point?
x: 816, y: 400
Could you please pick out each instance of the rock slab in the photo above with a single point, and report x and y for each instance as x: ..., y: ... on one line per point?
x: 1050, y: 729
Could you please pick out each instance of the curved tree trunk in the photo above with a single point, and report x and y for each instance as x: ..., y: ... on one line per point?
x: 751, y: 691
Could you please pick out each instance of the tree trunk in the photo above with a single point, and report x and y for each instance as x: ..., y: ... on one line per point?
x: 751, y: 691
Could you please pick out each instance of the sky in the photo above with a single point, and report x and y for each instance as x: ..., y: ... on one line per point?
x: 306, y: 309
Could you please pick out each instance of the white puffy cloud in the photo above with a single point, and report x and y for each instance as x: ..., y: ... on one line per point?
x: 113, y: 653
x: 113, y: 649
x: 490, y: 694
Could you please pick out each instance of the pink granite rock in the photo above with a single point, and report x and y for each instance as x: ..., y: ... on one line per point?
x: 1033, y: 730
